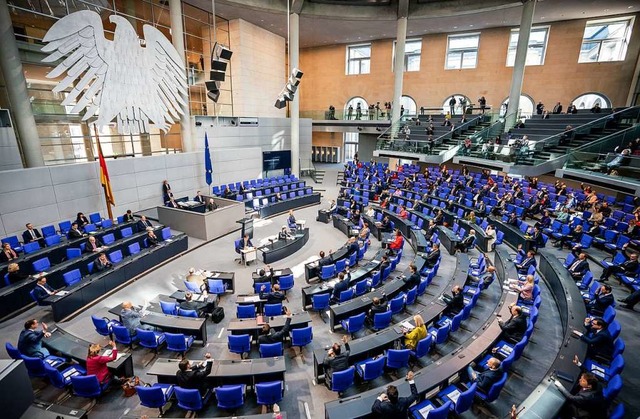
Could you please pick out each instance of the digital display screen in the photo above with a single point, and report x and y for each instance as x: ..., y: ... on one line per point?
x: 276, y: 160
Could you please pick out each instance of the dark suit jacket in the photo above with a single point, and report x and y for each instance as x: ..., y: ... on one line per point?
x: 338, y: 362
x: 194, y: 379
x: 524, y: 266
x: 75, y: 234
x: 488, y: 378
x: 600, y: 344
x: 353, y: 248
x: 126, y: 217
x: 142, y: 225
x: 98, y: 266
x: 586, y: 404
x: 199, y: 199
x: 514, y: 328
x: 26, y: 236
x: 274, y: 297
x: 40, y: 293
x: 5, y: 258
x: 275, y: 337
x: 399, y: 409
x: 412, y: 281
x: 89, y: 249
x: 432, y: 258
x: 82, y: 221
x: 17, y: 277
x: 580, y: 269
x: 455, y: 305
x: 600, y: 303
x: 630, y: 266
x: 340, y: 286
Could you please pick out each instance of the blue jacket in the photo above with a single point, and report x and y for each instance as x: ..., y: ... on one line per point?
x: 131, y: 320
x: 30, y: 343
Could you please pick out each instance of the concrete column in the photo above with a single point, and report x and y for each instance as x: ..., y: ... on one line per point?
x: 398, y: 72
x: 294, y: 52
x: 521, y: 58
x: 177, y: 38
x: 21, y: 111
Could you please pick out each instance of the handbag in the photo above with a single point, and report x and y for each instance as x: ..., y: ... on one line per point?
x: 129, y: 385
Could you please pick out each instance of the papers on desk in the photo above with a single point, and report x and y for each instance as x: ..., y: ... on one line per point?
x: 575, y: 332
x: 265, y: 249
x: 215, y: 275
x: 425, y: 410
x: 202, y: 297
x: 252, y: 298
x: 454, y: 396
x: 598, y: 370
x: 62, y: 293
x: 407, y: 325
x: 41, y: 274
x: 277, y: 273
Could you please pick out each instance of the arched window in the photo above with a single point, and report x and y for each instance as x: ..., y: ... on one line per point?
x: 354, y: 114
x: 409, y: 105
x: 527, y: 106
x: 588, y: 100
x: 457, y: 108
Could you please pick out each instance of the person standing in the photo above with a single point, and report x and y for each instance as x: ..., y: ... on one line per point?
x: 30, y: 340
x: 452, y: 105
x: 194, y: 377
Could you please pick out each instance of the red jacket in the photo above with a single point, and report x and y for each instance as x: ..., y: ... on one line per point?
x: 397, y: 243
x: 97, y: 365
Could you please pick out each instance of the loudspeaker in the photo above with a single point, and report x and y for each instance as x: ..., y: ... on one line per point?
x: 222, y: 52
x: 214, y: 95
x: 280, y: 103
x: 212, y: 85
x: 290, y: 88
x: 297, y: 73
x: 216, y: 75
x: 220, y: 57
x: 218, y: 65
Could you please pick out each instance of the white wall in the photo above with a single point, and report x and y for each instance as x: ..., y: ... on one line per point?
x: 9, y: 152
x: 258, y: 69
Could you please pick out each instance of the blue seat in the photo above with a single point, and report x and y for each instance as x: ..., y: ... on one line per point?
x: 382, y: 320
x: 346, y: 295
x: 617, y: 412
x: 31, y: 247
x: 95, y: 218
x: 396, y: 305
x: 440, y: 334
x: 126, y: 232
x: 423, y: 347
x: 62, y: 379
x: 216, y: 286
x: 90, y: 228
x: 134, y: 248
x: 435, y: 412
x: 190, y: 399
x: 14, y: 242
x: 268, y: 350
x: 269, y: 393
x: 64, y: 227
x: 320, y: 303
x: 108, y: 238
x: 74, y: 252
x: 605, y: 372
x: 301, y: 337
x: 257, y: 287
x: 613, y: 388
x: 106, y: 223
x: 121, y: 335
x: 341, y: 265
x: 354, y: 323
x: 155, y: 397
x: 187, y: 313
x: 398, y: 358
x: 169, y: 307
x: 342, y: 380
x: 371, y: 369
x: 72, y: 277
x: 230, y: 397
x: 273, y: 309
x: 103, y: 325
x: 192, y: 287
x: 87, y: 386
x: 286, y: 283
x: 178, y: 342
x: 494, y: 391
x: 239, y: 344
x: 327, y: 272
x: 246, y: 311
x: 115, y: 257
x: 464, y: 398
x: 165, y: 233
x: 150, y: 339
x: 35, y: 366
x: 361, y: 287
x: 52, y: 240
x: 41, y: 265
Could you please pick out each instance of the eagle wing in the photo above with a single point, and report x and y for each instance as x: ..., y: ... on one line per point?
x: 166, y: 69
x: 80, y: 38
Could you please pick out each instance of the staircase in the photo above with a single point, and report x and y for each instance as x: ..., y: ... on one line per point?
x: 318, y: 176
x: 459, y: 136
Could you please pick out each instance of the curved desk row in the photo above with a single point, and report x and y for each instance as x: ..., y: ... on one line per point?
x: 253, y: 326
x: 439, y: 374
x: 416, y: 238
x: 281, y: 249
x: 312, y: 269
x: 289, y: 204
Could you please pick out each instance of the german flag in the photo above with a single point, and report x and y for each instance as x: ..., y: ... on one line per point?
x: 104, y: 175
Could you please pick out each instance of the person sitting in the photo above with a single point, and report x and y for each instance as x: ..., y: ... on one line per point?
x: 82, y: 220
x: 75, y: 232
x: 588, y: 402
x: 514, y: 328
x: 397, y: 243
x: 194, y: 377
x: 389, y: 404
x: 274, y: 297
x: 131, y: 317
x: 41, y: 291
x: 97, y: 364
x: 488, y: 377
x: 629, y: 267
x: 467, y: 243
x: 385, y: 225
x: 413, y: 280
x: 143, y: 223
x: 127, y: 217
x: 101, y: 263
x: 363, y: 236
x: 523, y: 267
x: 336, y: 360
x: 355, y: 217
x: 211, y: 205
x: 379, y: 305
x: 341, y: 285
x: 603, y: 298
x: 228, y: 193
x: 598, y: 338
x: 579, y: 267
x: 525, y: 288
x: 353, y: 246
x: 433, y: 256
x: 7, y: 254
x: 324, y: 260
x: 284, y: 233
x: 14, y: 275
x: 199, y: 198
x: 32, y: 235
x: 485, y: 279
x: 455, y: 302
x: 171, y: 203
x: 404, y: 214
x: 93, y: 245
x: 152, y: 239
x: 419, y: 332
x: 471, y: 217
x: 166, y: 191
x: 30, y: 340
x: 269, y: 335
x: 264, y: 275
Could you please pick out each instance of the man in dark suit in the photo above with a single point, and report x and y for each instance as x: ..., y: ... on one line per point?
x: 455, y: 304
x: 75, y: 232
x: 488, y: 377
x: 384, y: 264
x: 127, y: 217
x: 101, y: 263
x: 390, y: 405
x: 523, y: 267
x: 629, y: 267
x: 413, y: 280
x: 342, y: 285
x: 189, y: 304
x: 324, y: 261
x: 579, y: 267
x: 264, y: 275
x: 268, y: 335
x: 192, y: 377
x: 514, y: 328
x: 467, y: 243
x: 199, y: 198
x: 588, y: 402
x: 143, y: 223
x: 432, y: 227
x: 598, y: 338
x: 93, y: 245
x: 603, y: 298
x: 42, y: 290
x: 31, y: 235
x: 30, y: 340
x: 379, y: 306
x: 336, y: 360
x: 433, y: 256
x: 353, y: 246
x: 274, y: 297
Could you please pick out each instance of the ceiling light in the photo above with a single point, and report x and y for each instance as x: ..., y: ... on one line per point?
x: 455, y: 27
x: 471, y: 26
x: 630, y: 7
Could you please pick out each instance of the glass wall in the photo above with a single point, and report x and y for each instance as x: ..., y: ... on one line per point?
x: 64, y: 137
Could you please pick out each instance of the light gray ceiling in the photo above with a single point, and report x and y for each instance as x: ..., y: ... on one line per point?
x: 326, y: 22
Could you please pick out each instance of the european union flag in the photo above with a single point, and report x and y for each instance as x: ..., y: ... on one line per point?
x: 207, y: 161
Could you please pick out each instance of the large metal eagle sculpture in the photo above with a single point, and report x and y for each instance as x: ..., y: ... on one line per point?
x: 120, y: 79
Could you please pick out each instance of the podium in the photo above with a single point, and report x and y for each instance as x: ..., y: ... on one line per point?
x: 323, y: 216
x: 247, y: 227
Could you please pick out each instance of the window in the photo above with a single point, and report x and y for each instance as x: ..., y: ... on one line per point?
x: 358, y: 59
x: 526, y: 107
x: 537, y: 46
x: 356, y: 113
x: 412, y: 51
x: 588, y: 100
x: 462, y: 51
x: 455, y: 108
x: 409, y: 105
x: 605, y: 40
x: 350, y: 141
